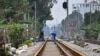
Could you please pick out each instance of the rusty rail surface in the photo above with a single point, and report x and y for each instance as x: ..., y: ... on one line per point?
x: 68, y: 50
x: 41, y: 48
x: 63, y: 48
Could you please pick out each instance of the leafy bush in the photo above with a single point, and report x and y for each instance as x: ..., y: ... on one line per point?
x: 21, y: 45
x: 27, y: 42
x: 15, y: 32
x: 92, y: 31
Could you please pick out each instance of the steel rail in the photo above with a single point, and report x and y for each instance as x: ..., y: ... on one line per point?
x: 39, y: 51
x: 70, y: 51
x: 65, y: 50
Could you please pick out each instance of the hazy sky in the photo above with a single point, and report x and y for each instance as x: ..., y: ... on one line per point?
x: 59, y: 13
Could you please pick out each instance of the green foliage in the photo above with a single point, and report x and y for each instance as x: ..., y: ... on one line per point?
x: 13, y: 10
x: 15, y: 33
x: 2, y: 20
x: 92, y: 26
x: 72, y: 19
x: 27, y: 42
x: 42, y: 11
x: 92, y: 30
x: 7, y: 52
x: 21, y: 45
x: 12, y: 13
x: 87, y: 18
x: 93, y: 19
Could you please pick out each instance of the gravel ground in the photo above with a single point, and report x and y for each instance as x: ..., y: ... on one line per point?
x: 30, y: 50
x: 89, y: 50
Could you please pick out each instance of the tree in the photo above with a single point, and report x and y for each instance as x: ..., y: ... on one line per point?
x: 72, y: 21
x: 13, y: 10
x: 92, y: 26
x: 43, y: 11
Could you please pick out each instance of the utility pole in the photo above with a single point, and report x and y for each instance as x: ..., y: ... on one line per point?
x: 78, y: 21
x: 67, y: 9
x: 65, y: 6
x: 90, y: 13
x: 67, y: 17
x: 35, y: 18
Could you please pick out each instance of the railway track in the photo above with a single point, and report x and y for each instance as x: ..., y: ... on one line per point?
x: 56, y: 48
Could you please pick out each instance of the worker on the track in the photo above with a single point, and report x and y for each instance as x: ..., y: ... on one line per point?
x: 54, y: 35
x: 41, y: 38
